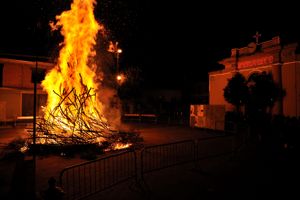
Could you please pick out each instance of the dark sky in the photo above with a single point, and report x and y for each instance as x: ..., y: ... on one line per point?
x: 171, y: 41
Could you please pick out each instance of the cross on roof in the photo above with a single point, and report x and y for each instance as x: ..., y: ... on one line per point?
x: 257, y: 36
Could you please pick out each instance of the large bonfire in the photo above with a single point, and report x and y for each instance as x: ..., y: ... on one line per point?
x: 74, y: 114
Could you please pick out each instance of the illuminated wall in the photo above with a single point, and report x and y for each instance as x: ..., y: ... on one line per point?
x: 269, y: 56
x: 207, y: 116
x: 17, y: 82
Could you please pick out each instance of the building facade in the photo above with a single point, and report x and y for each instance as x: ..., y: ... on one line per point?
x: 282, y: 60
x: 17, y: 86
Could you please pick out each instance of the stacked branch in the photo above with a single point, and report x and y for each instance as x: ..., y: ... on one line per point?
x: 75, y: 120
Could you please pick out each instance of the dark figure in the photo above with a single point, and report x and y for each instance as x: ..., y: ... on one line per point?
x: 53, y: 192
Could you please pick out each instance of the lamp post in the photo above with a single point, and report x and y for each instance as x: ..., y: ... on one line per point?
x: 118, y: 55
x: 113, y: 48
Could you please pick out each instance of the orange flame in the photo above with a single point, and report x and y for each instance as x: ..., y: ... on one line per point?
x: 118, y: 146
x: 74, y: 70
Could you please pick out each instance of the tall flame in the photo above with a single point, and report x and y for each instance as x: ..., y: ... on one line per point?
x: 79, y: 28
x: 73, y: 76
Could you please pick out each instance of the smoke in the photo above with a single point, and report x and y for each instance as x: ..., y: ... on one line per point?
x: 112, y: 106
x: 105, y: 78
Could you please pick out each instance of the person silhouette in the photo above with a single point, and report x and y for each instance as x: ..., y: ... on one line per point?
x: 53, y: 192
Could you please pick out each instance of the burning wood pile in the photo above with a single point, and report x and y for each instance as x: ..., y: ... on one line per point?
x: 74, y: 114
x: 71, y: 122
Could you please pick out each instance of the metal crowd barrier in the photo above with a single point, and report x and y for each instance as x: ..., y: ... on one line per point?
x: 82, y: 180
x: 166, y: 155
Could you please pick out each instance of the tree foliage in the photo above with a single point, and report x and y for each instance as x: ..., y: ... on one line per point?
x: 236, y: 91
x: 259, y: 93
x: 264, y: 92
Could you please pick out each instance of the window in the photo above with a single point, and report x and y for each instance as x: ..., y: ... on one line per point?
x: 1, y: 74
x: 39, y: 76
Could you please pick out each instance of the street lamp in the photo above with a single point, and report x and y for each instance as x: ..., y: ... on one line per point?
x: 119, y: 77
x: 113, y: 48
x: 117, y: 55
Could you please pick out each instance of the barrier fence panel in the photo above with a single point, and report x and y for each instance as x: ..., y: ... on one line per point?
x: 85, y: 179
x: 166, y: 155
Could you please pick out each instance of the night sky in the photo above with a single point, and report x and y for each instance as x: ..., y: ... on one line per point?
x: 170, y: 41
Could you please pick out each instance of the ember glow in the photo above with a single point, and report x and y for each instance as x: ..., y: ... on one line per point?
x: 121, y: 146
x: 118, y: 146
x: 73, y: 113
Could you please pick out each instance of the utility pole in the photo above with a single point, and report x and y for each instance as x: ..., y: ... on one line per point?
x: 34, y: 126
x: 35, y: 81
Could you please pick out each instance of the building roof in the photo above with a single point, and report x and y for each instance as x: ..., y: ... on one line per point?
x: 26, y: 57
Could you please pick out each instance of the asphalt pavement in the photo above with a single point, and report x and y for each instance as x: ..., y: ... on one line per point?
x: 253, y: 172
